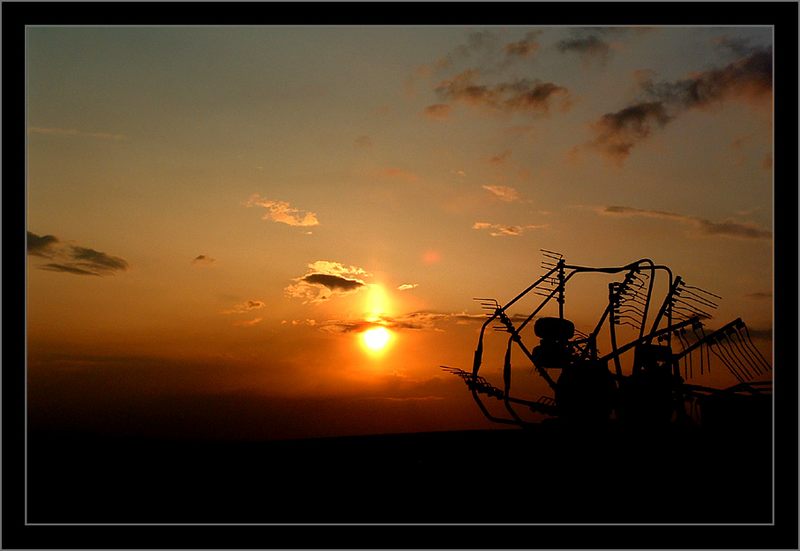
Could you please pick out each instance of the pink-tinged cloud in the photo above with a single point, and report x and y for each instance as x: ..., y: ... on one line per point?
x: 503, y: 193
x: 283, y: 212
x: 740, y: 230
x: 431, y: 256
x: 398, y: 173
x: 248, y: 323
x: 438, y: 111
x: 505, y: 230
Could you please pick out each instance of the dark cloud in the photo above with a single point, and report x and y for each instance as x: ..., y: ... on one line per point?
x: 617, y: 133
x: 740, y: 47
x: 73, y: 259
x: 99, y: 261
x: 67, y: 268
x: 738, y: 230
x: 748, y: 79
x: 521, y: 95
x: 202, y: 259
x: 333, y: 282
x: 40, y: 245
x: 591, y: 46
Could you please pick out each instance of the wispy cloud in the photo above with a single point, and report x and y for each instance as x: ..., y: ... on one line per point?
x: 363, y: 142
x: 500, y: 158
x: 407, y: 286
x: 504, y: 193
x: 244, y: 307
x: 437, y: 111
x: 398, y: 173
x: 283, y: 212
x: 248, y: 323
x: 73, y: 259
x: 747, y: 79
x: 524, y: 48
x: 703, y: 226
x: 326, y: 279
x: 521, y: 95
x: 76, y: 133
x: 590, y: 47
x: 202, y: 259
x: 505, y: 230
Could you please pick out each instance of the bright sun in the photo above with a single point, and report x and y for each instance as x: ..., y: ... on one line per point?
x: 376, y: 339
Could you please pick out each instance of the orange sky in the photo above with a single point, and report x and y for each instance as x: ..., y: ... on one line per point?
x: 216, y: 215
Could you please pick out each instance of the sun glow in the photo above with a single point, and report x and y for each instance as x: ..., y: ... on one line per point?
x: 376, y: 339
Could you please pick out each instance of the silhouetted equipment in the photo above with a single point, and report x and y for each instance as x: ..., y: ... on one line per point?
x: 592, y: 388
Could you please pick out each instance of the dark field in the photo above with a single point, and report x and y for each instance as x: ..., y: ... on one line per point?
x: 545, y: 475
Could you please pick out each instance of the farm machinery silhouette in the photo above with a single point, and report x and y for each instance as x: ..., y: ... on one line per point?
x: 651, y: 391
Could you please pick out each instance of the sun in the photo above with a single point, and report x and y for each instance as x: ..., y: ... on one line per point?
x: 376, y: 339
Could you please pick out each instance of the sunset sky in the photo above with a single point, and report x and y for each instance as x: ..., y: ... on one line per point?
x: 217, y: 214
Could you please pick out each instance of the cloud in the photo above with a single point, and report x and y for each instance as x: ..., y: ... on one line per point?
x: 747, y: 79
x: 617, y: 133
x: 437, y: 111
x: 67, y: 268
x: 407, y: 286
x: 324, y: 280
x: 504, y: 193
x: 363, y: 142
x: 414, y: 321
x: 40, y: 245
x: 500, y: 158
x: 202, y: 259
x: 244, y: 307
x: 73, y: 259
x: 399, y: 173
x: 589, y: 47
x: 523, y: 48
x: 74, y: 132
x: 703, y: 226
x: 97, y: 260
x: 281, y: 211
x: 248, y: 323
x: 521, y: 95
x: 498, y: 230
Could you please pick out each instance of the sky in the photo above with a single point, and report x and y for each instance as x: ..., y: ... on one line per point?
x: 217, y: 216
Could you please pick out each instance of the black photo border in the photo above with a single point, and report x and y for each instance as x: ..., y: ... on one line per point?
x: 782, y: 16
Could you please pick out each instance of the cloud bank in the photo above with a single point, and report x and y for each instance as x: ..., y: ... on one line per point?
x: 703, y: 226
